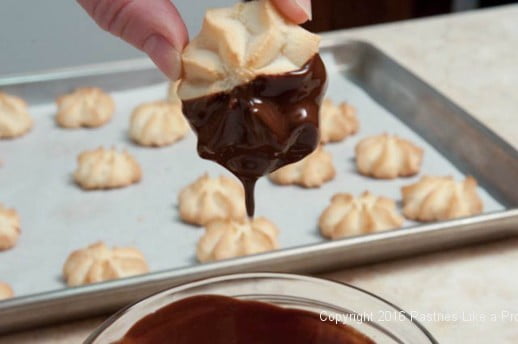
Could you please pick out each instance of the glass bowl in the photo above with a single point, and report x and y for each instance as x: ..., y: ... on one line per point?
x: 380, y: 320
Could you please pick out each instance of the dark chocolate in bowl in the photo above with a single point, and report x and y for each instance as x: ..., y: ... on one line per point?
x: 213, y: 319
x: 255, y: 305
x: 258, y: 127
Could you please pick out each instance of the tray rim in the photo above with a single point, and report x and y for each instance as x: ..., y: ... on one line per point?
x: 95, y: 69
x: 505, y: 222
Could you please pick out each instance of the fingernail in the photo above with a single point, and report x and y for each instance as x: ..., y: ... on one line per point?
x: 164, y: 55
x: 305, y: 5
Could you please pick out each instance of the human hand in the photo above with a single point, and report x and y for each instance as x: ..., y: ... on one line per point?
x: 156, y: 27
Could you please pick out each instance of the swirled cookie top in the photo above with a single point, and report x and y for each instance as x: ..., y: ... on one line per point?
x: 240, y: 43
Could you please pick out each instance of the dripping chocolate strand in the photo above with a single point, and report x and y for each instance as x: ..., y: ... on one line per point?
x: 258, y: 127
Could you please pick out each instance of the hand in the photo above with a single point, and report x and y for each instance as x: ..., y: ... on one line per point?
x: 156, y: 28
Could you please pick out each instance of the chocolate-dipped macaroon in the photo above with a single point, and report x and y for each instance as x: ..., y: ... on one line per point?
x: 252, y: 87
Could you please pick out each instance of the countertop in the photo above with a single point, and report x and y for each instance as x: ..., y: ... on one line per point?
x: 473, y: 59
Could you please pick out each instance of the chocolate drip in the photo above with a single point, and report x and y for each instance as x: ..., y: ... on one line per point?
x: 212, y: 319
x: 260, y: 126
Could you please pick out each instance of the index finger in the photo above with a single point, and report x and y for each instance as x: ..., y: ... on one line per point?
x: 297, y: 11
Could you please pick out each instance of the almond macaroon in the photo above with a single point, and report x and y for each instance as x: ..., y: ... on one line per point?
x: 209, y: 199
x: 106, y: 169
x: 6, y: 292
x: 349, y: 216
x: 311, y: 172
x: 441, y: 198
x: 99, y: 263
x: 388, y: 157
x: 337, y: 122
x: 9, y: 228
x: 15, y: 120
x: 88, y: 107
x: 157, y: 124
x: 224, y: 239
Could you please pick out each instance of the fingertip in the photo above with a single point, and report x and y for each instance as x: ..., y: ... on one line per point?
x: 297, y: 11
x: 179, y: 34
x: 86, y: 5
x: 305, y: 7
x: 165, y: 56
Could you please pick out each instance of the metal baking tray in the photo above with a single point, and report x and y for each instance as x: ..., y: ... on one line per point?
x: 360, y: 73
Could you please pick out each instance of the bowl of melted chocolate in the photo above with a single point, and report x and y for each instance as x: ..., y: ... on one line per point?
x: 261, y: 308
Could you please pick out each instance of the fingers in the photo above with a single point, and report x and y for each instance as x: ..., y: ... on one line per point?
x: 154, y: 27
x: 298, y: 11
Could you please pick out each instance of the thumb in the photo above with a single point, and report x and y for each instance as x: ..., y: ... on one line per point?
x: 298, y: 11
x: 154, y: 27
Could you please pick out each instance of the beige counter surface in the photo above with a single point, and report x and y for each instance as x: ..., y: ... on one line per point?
x: 473, y: 59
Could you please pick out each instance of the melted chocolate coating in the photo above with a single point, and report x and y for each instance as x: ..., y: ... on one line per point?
x: 211, y: 319
x: 260, y: 126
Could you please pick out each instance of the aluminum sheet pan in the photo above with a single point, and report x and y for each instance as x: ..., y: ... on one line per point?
x: 58, y: 217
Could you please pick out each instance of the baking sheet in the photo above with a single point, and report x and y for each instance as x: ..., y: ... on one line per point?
x: 58, y: 217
